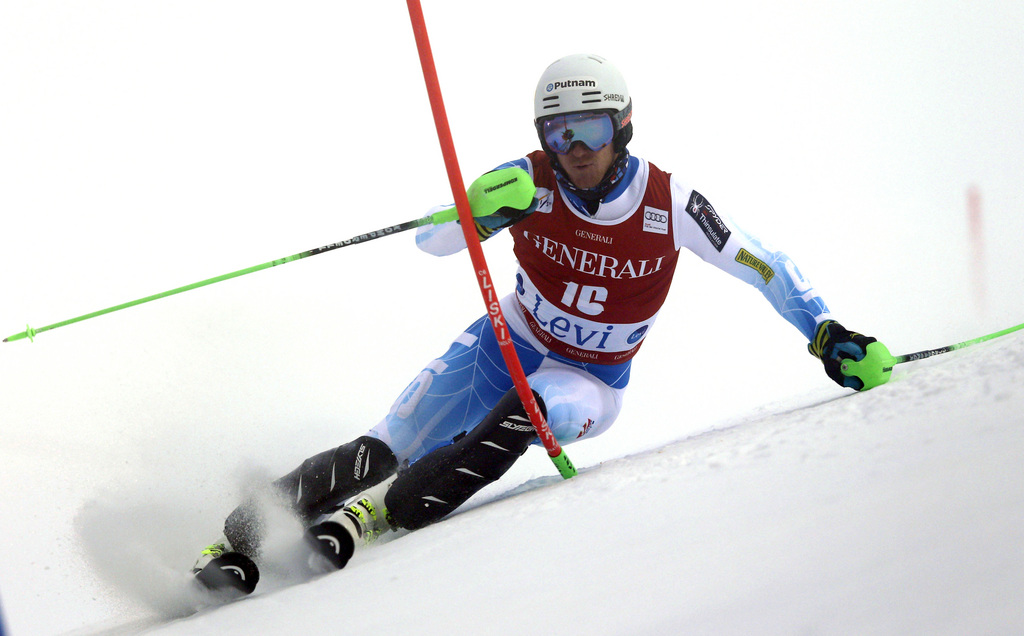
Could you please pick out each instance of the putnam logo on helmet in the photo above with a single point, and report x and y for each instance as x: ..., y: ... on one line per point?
x: 560, y: 85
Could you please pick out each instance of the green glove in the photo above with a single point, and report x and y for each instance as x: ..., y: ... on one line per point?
x: 851, y: 359
x: 498, y: 199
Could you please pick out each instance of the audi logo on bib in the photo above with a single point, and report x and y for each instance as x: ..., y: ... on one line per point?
x: 655, y: 220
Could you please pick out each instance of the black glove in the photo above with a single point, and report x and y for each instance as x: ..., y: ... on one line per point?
x: 833, y: 344
x: 501, y: 219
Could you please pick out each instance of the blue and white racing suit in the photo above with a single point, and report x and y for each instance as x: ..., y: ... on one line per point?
x: 588, y: 290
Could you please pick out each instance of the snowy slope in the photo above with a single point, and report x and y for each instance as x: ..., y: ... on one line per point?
x: 895, y: 511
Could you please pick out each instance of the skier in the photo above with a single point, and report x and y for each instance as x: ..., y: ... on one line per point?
x: 597, y: 247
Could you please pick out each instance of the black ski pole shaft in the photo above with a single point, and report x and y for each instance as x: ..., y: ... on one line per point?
x: 439, y: 217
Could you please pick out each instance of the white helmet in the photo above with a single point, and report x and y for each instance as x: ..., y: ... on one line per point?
x: 584, y: 82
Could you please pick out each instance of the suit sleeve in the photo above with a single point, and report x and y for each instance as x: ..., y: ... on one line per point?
x: 717, y: 240
x: 441, y: 240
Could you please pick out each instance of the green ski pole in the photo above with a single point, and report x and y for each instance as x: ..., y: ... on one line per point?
x: 920, y: 355
x: 442, y: 216
x: 876, y: 366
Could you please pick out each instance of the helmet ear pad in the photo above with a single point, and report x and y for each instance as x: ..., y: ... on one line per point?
x: 623, y: 120
x: 622, y: 138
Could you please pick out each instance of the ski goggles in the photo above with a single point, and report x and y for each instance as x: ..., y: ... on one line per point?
x: 594, y: 129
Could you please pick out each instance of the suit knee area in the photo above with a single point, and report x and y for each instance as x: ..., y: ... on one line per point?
x: 444, y: 479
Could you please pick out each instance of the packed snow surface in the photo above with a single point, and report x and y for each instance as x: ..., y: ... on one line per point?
x: 893, y: 511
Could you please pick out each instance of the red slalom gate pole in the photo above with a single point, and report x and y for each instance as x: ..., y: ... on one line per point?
x: 476, y: 252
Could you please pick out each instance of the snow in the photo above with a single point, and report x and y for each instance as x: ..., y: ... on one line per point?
x: 148, y: 146
x: 893, y: 511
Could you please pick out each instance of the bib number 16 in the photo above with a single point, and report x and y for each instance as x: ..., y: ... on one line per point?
x: 586, y: 298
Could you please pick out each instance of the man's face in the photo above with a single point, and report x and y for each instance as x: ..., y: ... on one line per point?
x: 587, y: 167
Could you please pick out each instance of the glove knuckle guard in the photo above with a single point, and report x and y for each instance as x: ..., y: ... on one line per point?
x: 501, y: 198
x: 833, y: 344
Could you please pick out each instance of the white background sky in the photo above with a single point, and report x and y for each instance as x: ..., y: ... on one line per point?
x: 144, y: 146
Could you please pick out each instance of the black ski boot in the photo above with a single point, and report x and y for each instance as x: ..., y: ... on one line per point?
x: 225, y: 572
